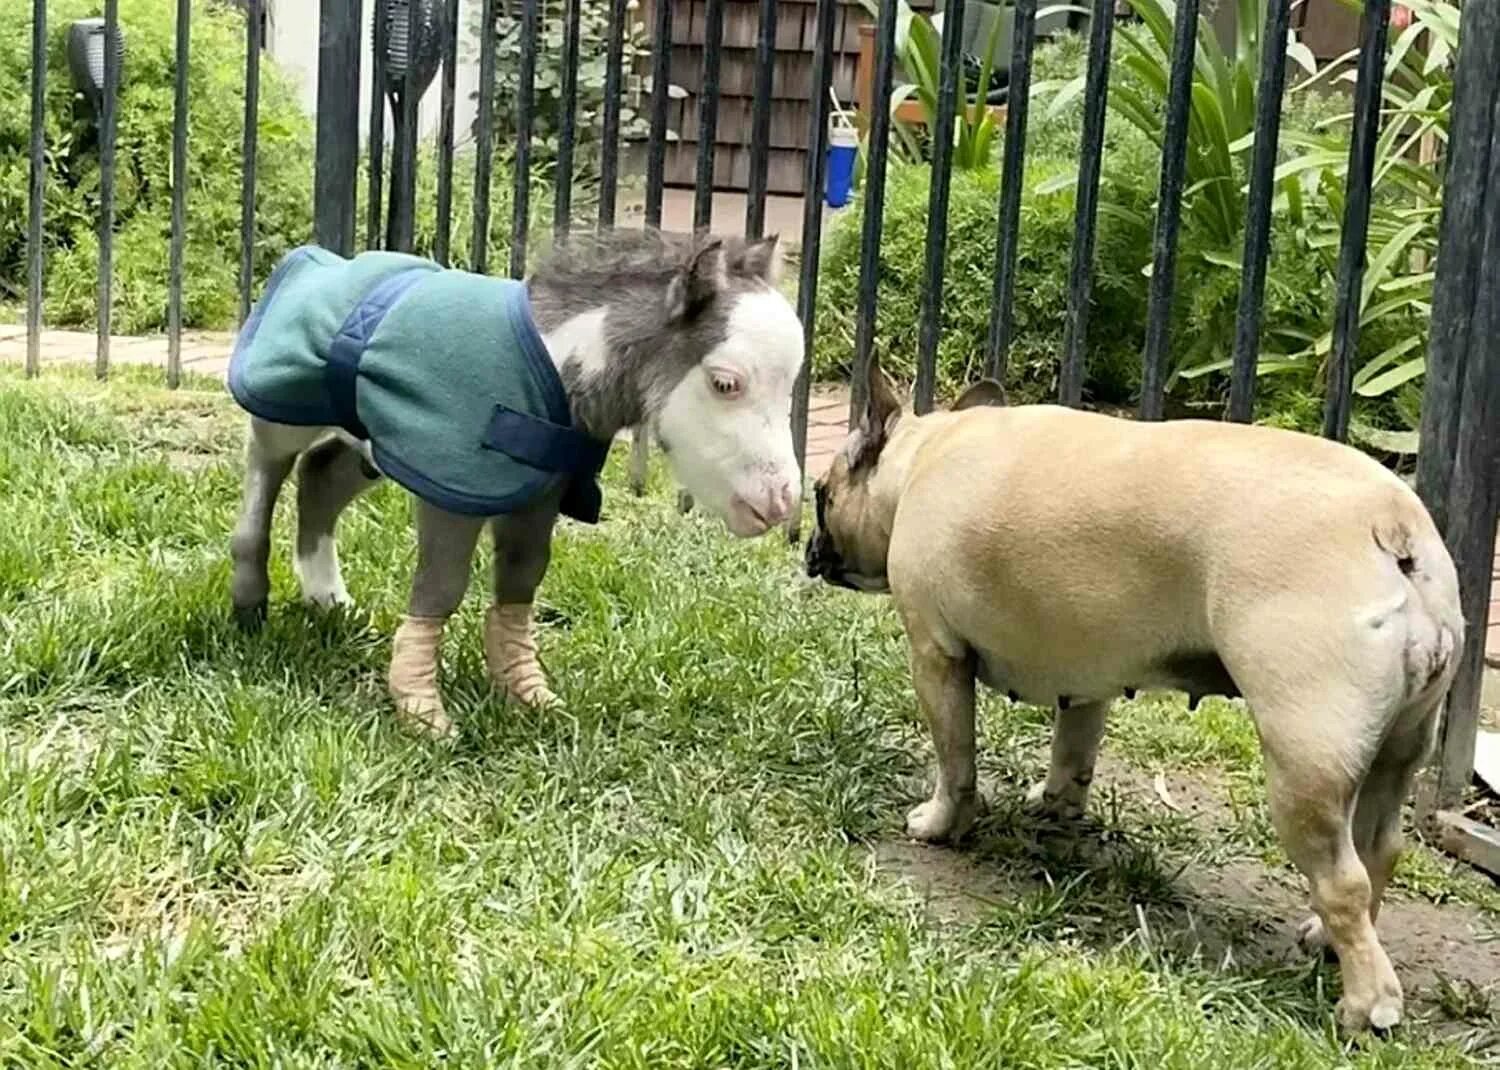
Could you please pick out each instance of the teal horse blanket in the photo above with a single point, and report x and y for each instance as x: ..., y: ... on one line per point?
x: 441, y: 371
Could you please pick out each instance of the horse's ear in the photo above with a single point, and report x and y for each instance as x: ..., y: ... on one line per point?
x: 882, y: 411
x: 759, y: 259
x: 984, y: 392
x: 698, y: 282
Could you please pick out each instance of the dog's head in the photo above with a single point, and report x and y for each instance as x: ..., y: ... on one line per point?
x: 852, y: 532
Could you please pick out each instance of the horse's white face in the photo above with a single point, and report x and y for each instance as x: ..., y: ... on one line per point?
x: 726, y: 426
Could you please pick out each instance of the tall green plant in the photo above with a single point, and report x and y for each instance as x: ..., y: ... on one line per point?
x: 1416, y: 104
x: 920, y: 47
x: 1221, y: 113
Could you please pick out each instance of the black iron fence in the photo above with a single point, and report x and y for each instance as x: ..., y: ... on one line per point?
x: 1460, y: 446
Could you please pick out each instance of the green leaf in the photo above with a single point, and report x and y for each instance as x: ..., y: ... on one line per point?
x: 1403, y: 442
x: 1380, y: 265
x: 1056, y: 184
x: 1376, y: 364
x: 1069, y: 92
x: 1384, y: 384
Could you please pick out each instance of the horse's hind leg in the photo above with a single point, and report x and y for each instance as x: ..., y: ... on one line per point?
x: 329, y: 477
x: 269, y: 453
x: 640, y: 457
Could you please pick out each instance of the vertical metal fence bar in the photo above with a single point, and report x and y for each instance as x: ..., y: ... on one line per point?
x: 38, y: 188
x: 179, y: 192
x: 1472, y: 494
x: 656, y: 147
x: 1476, y: 82
x: 249, y: 149
x: 812, y: 236
x: 872, y: 225
x: 1258, y: 210
x: 443, y: 239
x: 1012, y: 177
x: 401, y: 215
x: 708, y: 115
x: 381, y: 37
x: 760, y: 123
x: 609, y: 149
x: 484, y: 139
x: 1356, y: 224
x: 949, y: 87
x: 1457, y: 462
x: 1086, y: 221
x: 336, y: 175
x: 107, y: 130
x: 1169, y: 212
x: 562, y: 214
x: 525, y: 98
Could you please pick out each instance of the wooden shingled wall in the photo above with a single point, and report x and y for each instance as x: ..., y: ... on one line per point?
x: 791, y: 91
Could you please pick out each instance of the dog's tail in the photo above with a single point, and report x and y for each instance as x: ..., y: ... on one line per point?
x: 1435, y: 639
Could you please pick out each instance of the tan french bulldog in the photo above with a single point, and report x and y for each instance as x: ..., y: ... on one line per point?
x: 1067, y: 557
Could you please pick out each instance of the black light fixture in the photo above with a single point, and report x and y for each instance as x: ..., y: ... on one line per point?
x: 416, y: 50
x: 86, y: 59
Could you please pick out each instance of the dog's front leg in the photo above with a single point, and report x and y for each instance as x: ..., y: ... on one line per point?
x: 445, y: 547
x: 1076, y: 732
x: 945, y: 690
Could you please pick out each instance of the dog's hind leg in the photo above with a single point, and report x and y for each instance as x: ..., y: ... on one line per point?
x: 1377, y: 813
x: 945, y: 690
x: 329, y: 477
x: 270, y: 451
x: 1317, y: 751
x: 1076, y: 732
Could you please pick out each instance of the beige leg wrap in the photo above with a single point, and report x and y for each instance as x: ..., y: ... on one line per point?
x: 413, y: 677
x: 510, y: 653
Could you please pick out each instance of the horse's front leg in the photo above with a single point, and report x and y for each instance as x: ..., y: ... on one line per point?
x: 523, y: 548
x: 445, y: 548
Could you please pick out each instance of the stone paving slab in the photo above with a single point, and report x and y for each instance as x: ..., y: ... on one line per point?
x: 203, y: 352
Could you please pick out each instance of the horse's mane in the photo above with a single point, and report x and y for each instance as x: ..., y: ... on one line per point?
x: 621, y: 256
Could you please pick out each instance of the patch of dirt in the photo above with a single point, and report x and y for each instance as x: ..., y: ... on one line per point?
x: 1237, y: 913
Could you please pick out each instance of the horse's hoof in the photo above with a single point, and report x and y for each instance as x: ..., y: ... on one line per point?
x: 425, y: 718
x: 250, y: 618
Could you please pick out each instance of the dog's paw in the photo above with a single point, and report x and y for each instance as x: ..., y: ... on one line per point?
x: 940, y: 820
x: 1381, y: 1014
x: 1042, y: 803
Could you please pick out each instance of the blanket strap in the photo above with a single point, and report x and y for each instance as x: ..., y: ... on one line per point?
x: 341, y: 371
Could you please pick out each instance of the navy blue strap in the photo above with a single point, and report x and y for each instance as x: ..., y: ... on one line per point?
x: 544, y: 445
x: 341, y: 373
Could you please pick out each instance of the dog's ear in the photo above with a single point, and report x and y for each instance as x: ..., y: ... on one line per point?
x: 984, y: 392
x: 698, y: 282
x: 882, y: 410
x: 758, y: 259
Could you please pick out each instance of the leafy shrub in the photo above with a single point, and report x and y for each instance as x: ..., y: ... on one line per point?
x: 461, y: 233
x: 1041, y: 284
x: 547, y: 107
x: 143, y: 156
x: 1299, y: 291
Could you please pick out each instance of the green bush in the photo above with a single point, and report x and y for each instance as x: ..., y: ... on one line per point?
x: 502, y: 200
x: 1299, y: 290
x: 143, y: 179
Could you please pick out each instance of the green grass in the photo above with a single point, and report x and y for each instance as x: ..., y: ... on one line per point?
x: 218, y: 850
